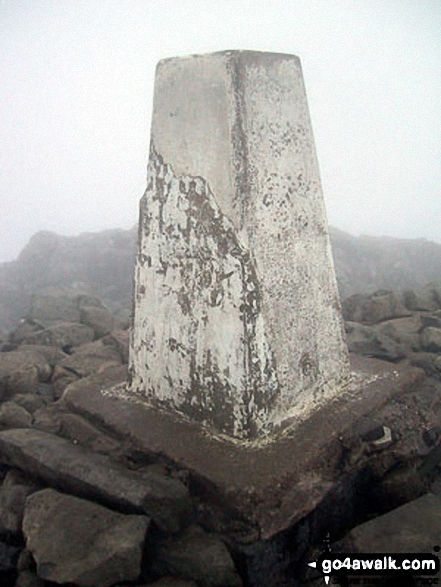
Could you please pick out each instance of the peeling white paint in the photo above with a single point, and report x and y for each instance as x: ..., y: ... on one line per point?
x: 237, y: 320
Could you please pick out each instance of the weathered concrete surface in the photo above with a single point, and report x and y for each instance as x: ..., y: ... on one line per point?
x: 262, y: 487
x: 75, y: 470
x: 237, y: 318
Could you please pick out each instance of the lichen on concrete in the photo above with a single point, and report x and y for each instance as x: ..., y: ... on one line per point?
x: 237, y: 319
x: 199, y: 338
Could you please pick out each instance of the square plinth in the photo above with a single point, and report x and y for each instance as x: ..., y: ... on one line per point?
x: 265, y: 486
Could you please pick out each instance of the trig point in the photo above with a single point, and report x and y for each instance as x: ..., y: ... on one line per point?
x: 239, y: 371
x: 237, y: 322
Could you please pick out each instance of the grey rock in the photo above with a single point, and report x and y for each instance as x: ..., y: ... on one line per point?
x: 89, y: 358
x: 75, y: 541
x: 199, y: 556
x: 62, y: 335
x: 80, y: 431
x: 21, y: 372
x: 404, y: 331
x: 31, y: 402
x: 172, y: 582
x: 431, y: 339
x: 14, y: 416
x: 52, y: 355
x: 422, y: 299
x: 28, y: 579
x: 119, y: 340
x: 413, y: 527
x: 13, y: 493
x: 370, y: 341
x: 375, y: 308
x: 99, y: 319
x: 74, y: 469
x: 8, y: 557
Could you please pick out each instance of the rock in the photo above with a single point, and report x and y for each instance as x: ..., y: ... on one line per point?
x: 89, y: 358
x: 28, y: 579
x: 431, y: 339
x: 413, y: 527
x: 25, y: 328
x: 369, y: 341
x: 199, y: 556
x: 8, y: 557
x: 21, y: 372
x: 423, y: 299
x: 404, y: 331
x: 99, y: 319
x: 14, y: 416
x: 75, y: 541
x: 80, y: 431
x: 55, y: 305
x: 429, y: 362
x: 119, y: 340
x: 52, y: 355
x: 63, y: 335
x: 111, y: 375
x: 75, y: 469
x: 31, y: 402
x: 61, y: 379
x: 171, y: 582
x: 13, y: 493
x: 373, y: 309
x: 47, y: 419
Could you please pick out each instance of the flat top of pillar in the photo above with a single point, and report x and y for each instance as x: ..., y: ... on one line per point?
x: 244, y: 55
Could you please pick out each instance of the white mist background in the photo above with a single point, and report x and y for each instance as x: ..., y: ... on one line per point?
x: 77, y: 84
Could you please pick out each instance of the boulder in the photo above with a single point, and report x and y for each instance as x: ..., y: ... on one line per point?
x: 52, y: 355
x: 82, y: 432
x: 107, y: 377
x: 14, y: 416
x: 61, y: 379
x: 375, y: 308
x: 404, y: 331
x: 413, y: 527
x: 431, y: 339
x: 60, y: 305
x: 196, y: 555
x: 8, y: 558
x: 63, y: 335
x: 28, y: 579
x: 13, y: 493
x: 89, y: 358
x: 171, y: 582
x: 99, y: 319
x: 422, y: 299
x: 21, y: 372
x: 31, y: 402
x: 25, y: 328
x: 74, y: 469
x: 429, y: 362
x: 120, y: 341
x: 370, y: 341
x: 78, y: 542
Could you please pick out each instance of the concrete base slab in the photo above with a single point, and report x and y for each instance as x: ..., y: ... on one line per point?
x: 266, y: 486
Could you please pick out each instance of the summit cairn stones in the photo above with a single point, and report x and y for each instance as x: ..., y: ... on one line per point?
x: 237, y: 320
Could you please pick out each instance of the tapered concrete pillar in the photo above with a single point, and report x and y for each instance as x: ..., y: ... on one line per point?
x: 237, y: 320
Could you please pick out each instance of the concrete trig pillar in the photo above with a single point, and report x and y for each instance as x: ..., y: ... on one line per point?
x: 237, y: 320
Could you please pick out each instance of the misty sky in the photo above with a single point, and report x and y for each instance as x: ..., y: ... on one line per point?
x: 76, y: 86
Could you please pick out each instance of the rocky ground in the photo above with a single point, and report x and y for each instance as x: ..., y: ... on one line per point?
x: 80, y: 506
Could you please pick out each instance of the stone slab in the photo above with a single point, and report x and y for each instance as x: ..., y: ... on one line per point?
x: 413, y: 527
x: 266, y: 485
x: 76, y: 470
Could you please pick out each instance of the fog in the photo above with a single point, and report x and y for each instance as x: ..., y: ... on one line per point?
x: 77, y: 83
